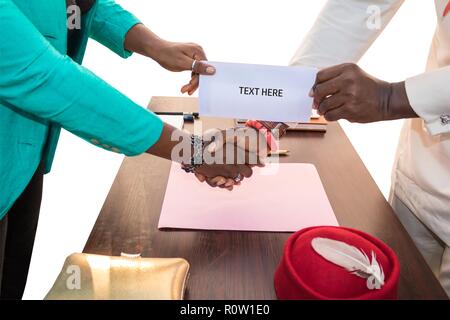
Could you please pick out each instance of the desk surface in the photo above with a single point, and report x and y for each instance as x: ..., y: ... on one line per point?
x: 240, y: 265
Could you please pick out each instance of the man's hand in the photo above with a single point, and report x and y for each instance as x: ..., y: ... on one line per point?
x: 173, y: 56
x: 347, y: 92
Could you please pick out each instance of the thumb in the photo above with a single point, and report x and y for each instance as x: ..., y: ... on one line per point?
x: 201, y: 67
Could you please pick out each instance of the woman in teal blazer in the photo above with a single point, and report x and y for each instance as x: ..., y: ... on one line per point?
x: 43, y: 88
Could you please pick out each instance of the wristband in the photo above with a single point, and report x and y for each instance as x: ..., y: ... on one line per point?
x: 198, y: 145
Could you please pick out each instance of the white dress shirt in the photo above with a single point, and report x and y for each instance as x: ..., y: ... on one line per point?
x: 421, y: 175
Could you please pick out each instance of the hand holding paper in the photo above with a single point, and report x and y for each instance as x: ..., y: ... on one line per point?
x: 272, y: 93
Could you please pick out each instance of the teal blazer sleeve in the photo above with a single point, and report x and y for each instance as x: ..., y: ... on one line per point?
x: 110, y: 26
x: 36, y: 79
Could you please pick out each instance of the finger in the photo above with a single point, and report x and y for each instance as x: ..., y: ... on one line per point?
x: 335, y: 114
x: 229, y: 183
x: 200, y: 177
x: 210, y: 183
x: 326, y: 89
x: 201, y: 67
x: 330, y: 103
x: 192, y: 85
x: 223, y: 186
x: 218, y: 181
x: 196, y: 63
x: 185, y: 88
x: 330, y: 73
x: 245, y: 170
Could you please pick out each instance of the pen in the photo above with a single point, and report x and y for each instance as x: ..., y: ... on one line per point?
x: 279, y: 153
x: 187, y: 116
x: 194, y: 114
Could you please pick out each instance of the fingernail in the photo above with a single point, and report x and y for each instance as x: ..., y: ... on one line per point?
x: 210, y: 70
x: 311, y: 93
x: 221, y: 182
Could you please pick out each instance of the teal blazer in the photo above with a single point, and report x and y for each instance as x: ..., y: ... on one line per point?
x: 43, y: 90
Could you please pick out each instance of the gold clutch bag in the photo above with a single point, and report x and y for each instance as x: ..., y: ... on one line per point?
x: 96, y: 277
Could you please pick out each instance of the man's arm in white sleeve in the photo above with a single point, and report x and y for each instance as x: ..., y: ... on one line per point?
x: 429, y: 96
x: 343, y: 32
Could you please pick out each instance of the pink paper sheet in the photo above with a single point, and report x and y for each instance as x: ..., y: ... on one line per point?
x: 280, y: 198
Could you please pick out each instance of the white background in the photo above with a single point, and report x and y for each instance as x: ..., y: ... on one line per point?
x: 250, y: 31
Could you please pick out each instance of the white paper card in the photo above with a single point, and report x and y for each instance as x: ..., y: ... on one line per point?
x: 261, y: 92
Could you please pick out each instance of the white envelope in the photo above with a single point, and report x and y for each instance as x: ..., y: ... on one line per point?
x: 261, y: 92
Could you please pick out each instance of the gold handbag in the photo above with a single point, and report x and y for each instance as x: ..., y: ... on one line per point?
x: 96, y: 277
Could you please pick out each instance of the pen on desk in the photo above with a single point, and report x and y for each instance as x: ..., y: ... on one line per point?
x: 187, y: 116
x: 279, y: 153
x: 163, y: 113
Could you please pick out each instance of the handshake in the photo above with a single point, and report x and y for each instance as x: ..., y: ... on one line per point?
x: 221, y: 158
x: 224, y: 158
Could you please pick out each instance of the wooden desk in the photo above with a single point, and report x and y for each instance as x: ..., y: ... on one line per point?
x: 240, y: 265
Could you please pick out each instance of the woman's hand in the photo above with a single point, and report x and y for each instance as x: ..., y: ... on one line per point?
x: 176, y: 57
x: 173, y: 56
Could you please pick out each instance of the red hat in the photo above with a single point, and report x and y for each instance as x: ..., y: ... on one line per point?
x: 305, y: 272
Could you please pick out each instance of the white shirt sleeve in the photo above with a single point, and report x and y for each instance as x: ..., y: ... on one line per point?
x: 429, y: 96
x: 344, y: 31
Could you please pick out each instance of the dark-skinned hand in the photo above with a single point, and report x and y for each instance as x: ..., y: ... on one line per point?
x: 249, y: 149
x: 347, y: 92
